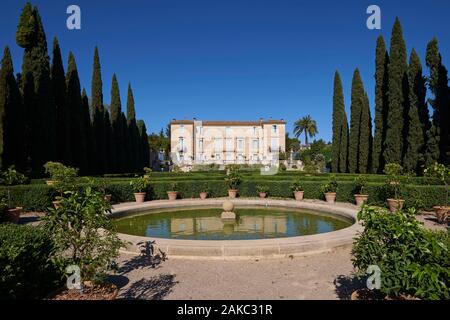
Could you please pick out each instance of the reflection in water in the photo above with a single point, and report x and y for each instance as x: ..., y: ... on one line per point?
x: 251, y: 223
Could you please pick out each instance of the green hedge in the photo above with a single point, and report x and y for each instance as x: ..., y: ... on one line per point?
x: 26, y: 269
x: 37, y: 197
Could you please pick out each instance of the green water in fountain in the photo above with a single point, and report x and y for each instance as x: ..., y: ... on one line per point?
x: 251, y: 223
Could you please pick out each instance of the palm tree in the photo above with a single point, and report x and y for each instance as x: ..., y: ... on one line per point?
x: 306, y: 125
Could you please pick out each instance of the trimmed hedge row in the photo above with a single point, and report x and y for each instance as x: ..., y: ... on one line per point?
x: 38, y: 197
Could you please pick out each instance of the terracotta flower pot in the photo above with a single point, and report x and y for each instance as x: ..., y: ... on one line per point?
x: 232, y: 193
x: 262, y: 194
x: 203, y: 195
x: 395, y: 204
x: 298, y: 195
x: 442, y: 213
x: 172, y: 195
x: 360, y: 199
x: 139, y: 196
x: 108, y: 197
x: 330, y: 197
x: 13, y: 215
x: 56, y: 204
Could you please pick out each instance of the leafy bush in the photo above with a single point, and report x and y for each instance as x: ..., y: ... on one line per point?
x: 297, y: 186
x: 330, y: 186
x: 64, y: 177
x: 233, y: 178
x: 442, y: 173
x: 11, y: 177
x: 83, y: 235
x: 412, y: 259
x: 262, y: 188
x: 27, y: 271
x: 360, y: 185
x: 140, y: 184
x: 173, y: 187
x: 282, y: 167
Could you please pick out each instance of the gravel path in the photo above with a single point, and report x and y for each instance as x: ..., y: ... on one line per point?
x: 308, y: 277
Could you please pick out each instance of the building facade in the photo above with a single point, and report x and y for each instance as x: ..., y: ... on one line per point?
x: 226, y: 142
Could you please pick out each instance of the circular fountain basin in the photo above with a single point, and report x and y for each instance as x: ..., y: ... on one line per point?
x: 264, y: 228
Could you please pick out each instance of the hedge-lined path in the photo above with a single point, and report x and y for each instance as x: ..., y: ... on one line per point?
x: 305, y: 277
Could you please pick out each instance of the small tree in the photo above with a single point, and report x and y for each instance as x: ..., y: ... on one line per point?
x: 140, y: 184
x: 83, y: 234
x: 441, y: 172
x: 64, y: 177
x: 297, y: 186
x: 360, y: 184
x: 330, y: 186
x: 12, y: 177
x: 233, y: 178
x: 393, y: 171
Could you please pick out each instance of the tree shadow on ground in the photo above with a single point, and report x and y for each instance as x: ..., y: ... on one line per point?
x: 147, y: 258
x: 154, y: 288
x: 345, y: 285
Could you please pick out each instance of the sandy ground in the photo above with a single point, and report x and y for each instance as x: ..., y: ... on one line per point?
x: 319, y: 276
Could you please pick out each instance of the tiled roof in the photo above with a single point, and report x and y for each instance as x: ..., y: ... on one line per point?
x: 231, y: 123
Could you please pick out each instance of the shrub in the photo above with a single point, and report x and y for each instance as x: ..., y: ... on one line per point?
x: 27, y: 271
x: 297, y: 186
x: 442, y: 173
x: 204, y: 187
x: 83, y: 234
x: 412, y: 259
x: 233, y: 178
x: 64, y: 177
x: 11, y: 177
x: 330, y: 186
x: 173, y: 187
x: 282, y: 167
x: 262, y: 188
x: 360, y: 185
x: 140, y: 184
x: 310, y: 168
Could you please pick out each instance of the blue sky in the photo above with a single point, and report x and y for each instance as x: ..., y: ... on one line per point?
x: 234, y: 59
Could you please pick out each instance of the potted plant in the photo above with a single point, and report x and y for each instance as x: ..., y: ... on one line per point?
x: 298, y: 191
x: 147, y: 172
x: 393, y: 186
x: 101, y: 186
x: 9, y: 178
x: 329, y: 190
x: 443, y: 174
x: 360, y: 187
x: 262, y: 191
x: 172, y: 193
x: 204, y: 191
x: 140, y: 186
x: 233, y: 179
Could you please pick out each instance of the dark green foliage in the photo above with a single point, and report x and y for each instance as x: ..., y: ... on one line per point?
x: 12, y: 138
x: 418, y: 122
x: 412, y: 260
x: 144, y: 147
x: 63, y: 116
x: 365, y: 138
x: 119, y: 163
x: 98, y: 115
x: 38, y: 98
x: 360, y: 139
x: 381, y: 105
x: 88, y: 130
x: 340, y: 128
x: 27, y: 271
x: 109, y: 147
x: 398, y: 97
x: 438, y: 84
x: 135, y: 153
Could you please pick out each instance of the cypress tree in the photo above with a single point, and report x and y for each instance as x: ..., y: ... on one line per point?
x: 63, y: 153
x: 357, y: 102
x: 340, y: 128
x: 143, y: 144
x: 438, y: 84
x: 98, y: 114
x: 381, y: 104
x: 416, y: 130
x: 127, y: 156
x: 365, y: 138
x: 12, y: 126
x: 36, y: 66
x: 398, y: 97
x: 86, y: 125
x: 117, y: 131
x: 78, y: 140
x: 133, y: 136
x: 109, y: 148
